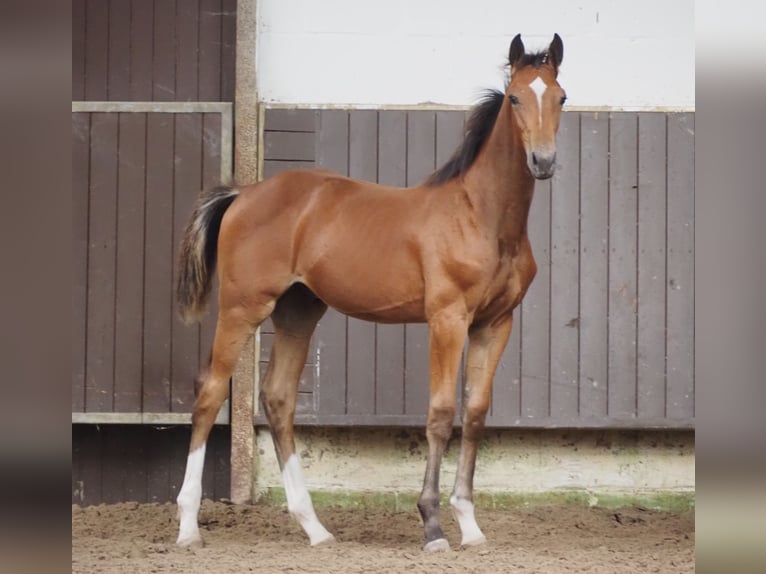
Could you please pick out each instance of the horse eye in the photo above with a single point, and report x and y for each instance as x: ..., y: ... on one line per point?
x: 514, y: 99
x: 563, y: 99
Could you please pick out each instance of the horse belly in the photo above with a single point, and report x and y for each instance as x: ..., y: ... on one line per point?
x: 392, y: 293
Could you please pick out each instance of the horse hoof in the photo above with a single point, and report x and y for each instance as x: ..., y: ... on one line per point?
x: 479, y: 540
x: 190, y: 542
x: 438, y: 545
x: 324, y: 540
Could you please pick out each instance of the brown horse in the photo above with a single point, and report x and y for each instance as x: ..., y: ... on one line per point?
x: 452, y: 252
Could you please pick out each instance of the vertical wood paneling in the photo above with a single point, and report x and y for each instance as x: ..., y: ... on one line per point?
x: 115, y: 463
x: 565, y: 272
x: 228, y: 44
x: 118, y: 71
x: 680, y: 270
x: 80, y: 185
x: 187, y: 49
x: 209, y: 50
x: 158, y: 264
x: 78, y: 50
x: 331, y: 334
x: 652, y: 223
x: 392, y: 170
x: 363, y: 164
x: 535, y: 312
x: 187, y: 180
x: 130, y: 263
x: 96, y: 49
x: 141, y: 49
x: 164, y: 58
x: 421, y: 159
x: 623, y: 217
x: 101, y: 263
x: 594, y: 258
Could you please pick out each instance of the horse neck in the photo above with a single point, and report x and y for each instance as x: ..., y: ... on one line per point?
x: 499, y: 182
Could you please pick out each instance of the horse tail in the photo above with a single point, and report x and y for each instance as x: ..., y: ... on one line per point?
x: 199, y: 249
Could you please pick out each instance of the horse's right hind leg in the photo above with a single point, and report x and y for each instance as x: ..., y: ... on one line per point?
x: 295, y: 317
x: 233, y: 329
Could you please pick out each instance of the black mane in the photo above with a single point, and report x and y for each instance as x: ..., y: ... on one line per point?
x: 478, y: 128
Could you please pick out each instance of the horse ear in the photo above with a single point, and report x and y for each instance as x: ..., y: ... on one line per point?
x: 516, y: 51
x: 556, y: 51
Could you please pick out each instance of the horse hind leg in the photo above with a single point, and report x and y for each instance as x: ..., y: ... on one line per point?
x: 233, y: 329
x: 295, y: 317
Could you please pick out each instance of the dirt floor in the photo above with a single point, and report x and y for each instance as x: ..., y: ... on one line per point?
x: 139, y: 538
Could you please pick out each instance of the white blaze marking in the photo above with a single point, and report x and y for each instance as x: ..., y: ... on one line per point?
x: 299, y: 502
x: 189, y: 498
x: 539, y: 87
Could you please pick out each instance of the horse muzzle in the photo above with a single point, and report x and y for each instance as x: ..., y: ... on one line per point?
x: 542, y: 164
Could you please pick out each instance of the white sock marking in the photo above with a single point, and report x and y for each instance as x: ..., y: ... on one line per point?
x: 463, y: 510
x: 539, y: 87
x: 299, y: 502
x: 189, y: 498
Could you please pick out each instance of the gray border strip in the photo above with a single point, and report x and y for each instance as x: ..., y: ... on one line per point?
x: 146, y: 418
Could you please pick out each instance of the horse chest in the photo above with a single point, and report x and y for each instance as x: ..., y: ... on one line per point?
x: 508, y: 286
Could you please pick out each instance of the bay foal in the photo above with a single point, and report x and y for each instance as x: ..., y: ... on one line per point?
x: 452, y: 252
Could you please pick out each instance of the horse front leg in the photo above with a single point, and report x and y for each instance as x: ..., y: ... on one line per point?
x: 447, y: 335
x: 485, y: 347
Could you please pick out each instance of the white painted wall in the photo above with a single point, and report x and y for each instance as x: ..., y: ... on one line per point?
x: 621, y: 55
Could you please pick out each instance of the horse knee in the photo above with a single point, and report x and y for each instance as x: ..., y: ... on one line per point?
x: 440, y: 419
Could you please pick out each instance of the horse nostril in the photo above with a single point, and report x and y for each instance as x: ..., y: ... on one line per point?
x: 534, y: 158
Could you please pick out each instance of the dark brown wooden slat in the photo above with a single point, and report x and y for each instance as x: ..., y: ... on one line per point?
x: 132, y: 461
x: 187, y: 182
x: 141, y: 46
x: 118, y: 74
x: 187, y: 48
x: 211, y: 176
x: 290, y: 120
x: 272, y: 168
x: 130, y: 263
x: 623, y: 216
x: 363, y: 164
x: 651, y: 264
x: 89, y: 449
x: 80, y: 186
x: 158, y: 286
x: 209, y: 50
x: 78, y: 50
x: 332, y: 153
x: 115, y: 466
x: 96, y: 49
x: 594, y: 226
x: 289, y: 146
x: 421, y: 158
x: 535, y: 312
x: 680, y: 270
x: 164, y: 52
x: 220, y: 439
x: 102, y: 215
x: 158, y: 461
x: 392, y: 170
x: 565, y: 268
x: 228, y: 45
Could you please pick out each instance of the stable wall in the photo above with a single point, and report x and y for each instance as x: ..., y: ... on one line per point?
x: 595, y: 467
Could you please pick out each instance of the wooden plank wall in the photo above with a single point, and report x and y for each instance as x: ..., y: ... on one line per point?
x: 139, y: 463
x: 153, y: 50
x: 135, y: 178
x: 604, y: 337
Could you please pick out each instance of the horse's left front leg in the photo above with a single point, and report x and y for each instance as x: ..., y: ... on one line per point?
x: 447, y: 334
x: 485, y: 347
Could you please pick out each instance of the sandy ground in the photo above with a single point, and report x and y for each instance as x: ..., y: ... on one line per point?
x: 139, y: 538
